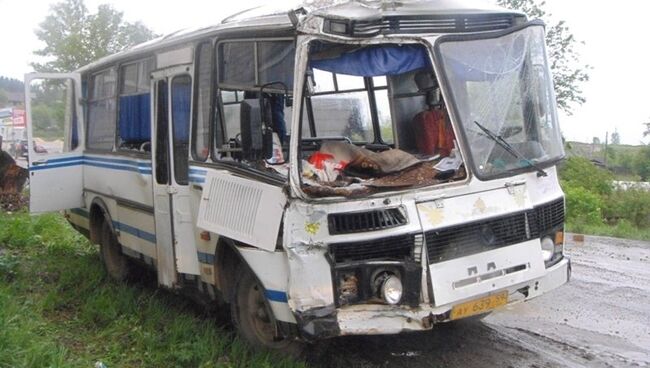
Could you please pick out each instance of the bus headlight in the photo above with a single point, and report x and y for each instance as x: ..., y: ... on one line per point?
x: 390, y: 288
x: 548, y: 248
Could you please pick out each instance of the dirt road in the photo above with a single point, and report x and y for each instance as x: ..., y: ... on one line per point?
x: 600, y: 319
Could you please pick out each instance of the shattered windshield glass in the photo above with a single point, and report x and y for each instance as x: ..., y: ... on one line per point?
x: 504, y: 84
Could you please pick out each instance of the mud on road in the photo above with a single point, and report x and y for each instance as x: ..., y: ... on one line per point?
x: 601, y: 318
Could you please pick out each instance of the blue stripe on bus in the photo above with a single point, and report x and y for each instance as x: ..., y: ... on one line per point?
x: 276, y: 296
x: 62, y: 159
x: 139, y: 233
x: 145, y: 235
x: 56, y: 165
x: 80, y: 212
x: 197, y: 179
x: 206, y: 258
x: 197, y: 175
x: 107, y: 163
x: 116, y: 167
x: 119, y: 161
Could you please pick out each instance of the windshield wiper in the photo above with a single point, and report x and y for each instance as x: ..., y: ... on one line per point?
x: 510, y: 149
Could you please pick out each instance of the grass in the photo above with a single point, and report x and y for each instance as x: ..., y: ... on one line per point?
x: 59, y: 309
x: 623, y: 229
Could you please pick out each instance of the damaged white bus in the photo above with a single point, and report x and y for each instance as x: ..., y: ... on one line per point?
x: 366, y: 168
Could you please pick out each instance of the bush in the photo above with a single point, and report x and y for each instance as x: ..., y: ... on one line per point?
x: 630, y: 205
x: 580, y: 172
x: 642, y: 163
x: 583, y: 207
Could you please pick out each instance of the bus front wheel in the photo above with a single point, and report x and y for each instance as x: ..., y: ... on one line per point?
x: 254, y: 320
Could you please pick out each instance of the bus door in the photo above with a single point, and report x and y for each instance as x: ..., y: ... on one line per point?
x: 172, y: 105
x: 54, y: 141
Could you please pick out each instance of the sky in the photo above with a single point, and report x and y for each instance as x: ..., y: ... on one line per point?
x: 614, y: 34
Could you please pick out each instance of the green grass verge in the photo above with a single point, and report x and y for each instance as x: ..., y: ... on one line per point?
x: 623, y: 229
x: 59, y: 309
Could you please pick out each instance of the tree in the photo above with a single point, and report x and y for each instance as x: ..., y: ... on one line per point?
x: 74, y: 37
x: 616, y: 137
x: 3, y: 98
x: 11, y: 85
x: 642, y: 163
x: 647, y: 129
x: 568, y: 73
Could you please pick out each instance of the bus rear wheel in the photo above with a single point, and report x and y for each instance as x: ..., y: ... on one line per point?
x: 254, y: 320
x: 117, y: 265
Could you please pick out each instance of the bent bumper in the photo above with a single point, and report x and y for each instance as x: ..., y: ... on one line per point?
x: 373, y: 319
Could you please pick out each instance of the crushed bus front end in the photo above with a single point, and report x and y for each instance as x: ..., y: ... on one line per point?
x: 450, y: 257
x: 380, y: 241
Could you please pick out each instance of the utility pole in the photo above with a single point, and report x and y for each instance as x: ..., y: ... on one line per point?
x: 606, y: 138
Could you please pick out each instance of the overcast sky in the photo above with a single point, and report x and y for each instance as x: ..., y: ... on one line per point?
x: 615, y: 36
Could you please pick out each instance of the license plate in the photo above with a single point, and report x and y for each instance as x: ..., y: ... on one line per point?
x: 479, y: 306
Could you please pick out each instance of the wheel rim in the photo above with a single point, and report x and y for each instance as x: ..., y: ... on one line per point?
x: 259, y: 316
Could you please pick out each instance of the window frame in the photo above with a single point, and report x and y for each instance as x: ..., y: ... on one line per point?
x: 175, y: 154
x: 370, y: 90
x: 118, y: 94
x: 213, y: 103
x: 255, y: 41
x: 218, y: 120
x: 91, y: 99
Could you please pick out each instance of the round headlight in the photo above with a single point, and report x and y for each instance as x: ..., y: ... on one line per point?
x: 548, y: 248
x: 391, y: 289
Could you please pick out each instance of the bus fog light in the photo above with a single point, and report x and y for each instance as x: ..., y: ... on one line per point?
x: 391, y: 289
x: 548, y: 248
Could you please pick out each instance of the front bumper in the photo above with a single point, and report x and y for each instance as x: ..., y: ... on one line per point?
x: 373, y: 319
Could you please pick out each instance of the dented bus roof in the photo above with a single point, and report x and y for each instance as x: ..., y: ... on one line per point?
x: 361, y: 19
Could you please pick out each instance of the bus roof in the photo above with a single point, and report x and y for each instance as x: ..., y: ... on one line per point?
x: 273, y: 18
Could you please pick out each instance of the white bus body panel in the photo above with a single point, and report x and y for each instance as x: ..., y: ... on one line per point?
x: 55, y: 179
x: 244, y: 210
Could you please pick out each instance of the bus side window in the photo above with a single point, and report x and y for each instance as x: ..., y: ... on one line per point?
x: 203, y: 103
x: 101, y: 110
x: 181, y: 99
x: 134, y: 118
x: 231, y: 101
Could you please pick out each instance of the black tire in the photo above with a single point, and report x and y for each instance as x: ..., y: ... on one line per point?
x: 116, y: 264
x: 252, y: 316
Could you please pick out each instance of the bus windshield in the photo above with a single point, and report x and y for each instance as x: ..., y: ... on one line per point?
x: 504, y: 85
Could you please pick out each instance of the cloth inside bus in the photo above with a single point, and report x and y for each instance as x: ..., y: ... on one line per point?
x: 369, y: 61
x: 181, y: 104
x: 135, y: 118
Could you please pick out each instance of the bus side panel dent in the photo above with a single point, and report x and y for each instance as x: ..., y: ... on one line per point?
x: 310, y: 275
x: 244, y: 210
x: 310, y: 278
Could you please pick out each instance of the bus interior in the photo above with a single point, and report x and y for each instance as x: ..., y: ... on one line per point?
x: 372, y: 116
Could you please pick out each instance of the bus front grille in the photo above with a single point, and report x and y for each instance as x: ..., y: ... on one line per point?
x: 357, y: 222
x: 396, y: 248
x: 481, y: 236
